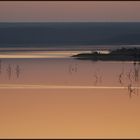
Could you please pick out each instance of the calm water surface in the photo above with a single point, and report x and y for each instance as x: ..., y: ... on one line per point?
x: 69, y: 98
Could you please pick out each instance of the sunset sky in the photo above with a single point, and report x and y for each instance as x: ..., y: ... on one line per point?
x: 47, y: 11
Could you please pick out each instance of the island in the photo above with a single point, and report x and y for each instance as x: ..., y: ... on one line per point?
x: 122, y: 54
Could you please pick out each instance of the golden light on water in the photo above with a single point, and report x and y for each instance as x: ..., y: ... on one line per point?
x: 40, y: 54
x: 23, y: 86
x: 63, y: 113
x: 68, y: 98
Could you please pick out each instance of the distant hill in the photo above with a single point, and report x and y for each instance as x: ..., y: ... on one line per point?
x: 69, y: 33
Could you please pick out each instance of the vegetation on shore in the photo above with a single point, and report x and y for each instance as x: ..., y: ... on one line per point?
x: 123, y: 54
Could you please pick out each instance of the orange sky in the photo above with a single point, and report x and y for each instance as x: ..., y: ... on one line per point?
x: 69, y: 11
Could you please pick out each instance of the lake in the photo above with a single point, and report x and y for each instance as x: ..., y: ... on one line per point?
x: 51, y: 95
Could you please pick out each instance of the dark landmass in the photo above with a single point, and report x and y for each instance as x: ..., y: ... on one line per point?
x: 123, y: 54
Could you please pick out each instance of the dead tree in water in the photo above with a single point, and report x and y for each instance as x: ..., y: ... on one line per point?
x: 17, y: 71
x: 136, y: 71
x: 121, y: 76
x: 9, y: 71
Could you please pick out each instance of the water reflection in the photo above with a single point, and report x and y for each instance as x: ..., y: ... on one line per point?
x: 130, y: 78
x: 97, y: 93
x: 131, y: 90
x: 69, y: 72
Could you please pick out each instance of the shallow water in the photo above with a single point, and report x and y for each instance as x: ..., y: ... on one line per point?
x: 69, y: 98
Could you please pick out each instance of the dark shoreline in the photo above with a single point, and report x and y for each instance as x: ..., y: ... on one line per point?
x: 123, y: 54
